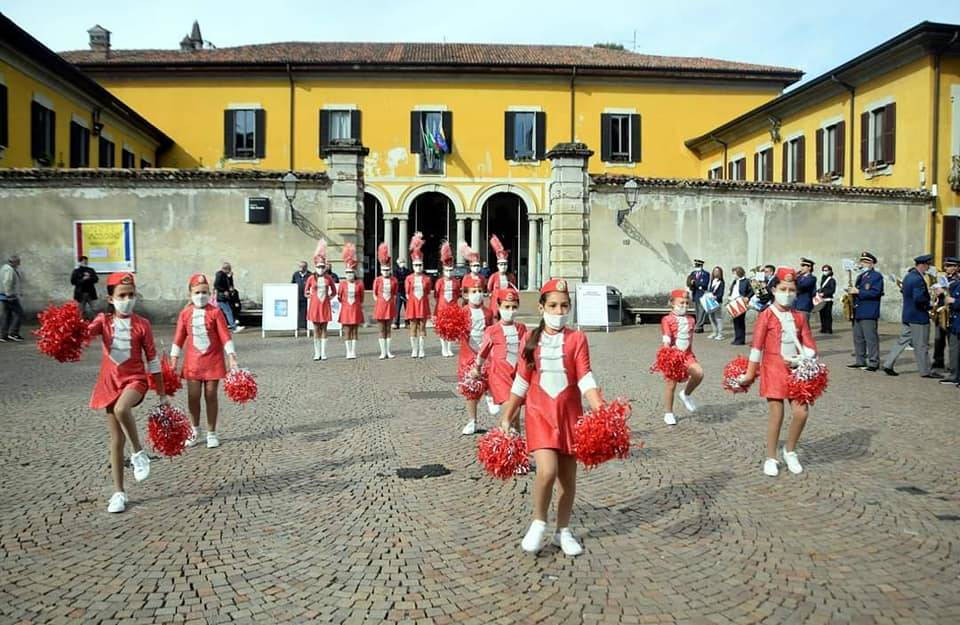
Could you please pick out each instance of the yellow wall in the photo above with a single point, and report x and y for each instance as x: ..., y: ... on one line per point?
x: 948, y: 200
x: 21, y: 88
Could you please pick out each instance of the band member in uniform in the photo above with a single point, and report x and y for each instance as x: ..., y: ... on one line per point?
x: 741, y: 287
x: 915, y: 319
x: 698, y: 282
x: 765, y: 296
x: 828, y: 288
x: 385, y: 289
x: 502, y: 278
x: 553, y: 377
x: 447, y: 291
x: 941, y: 329
x: 501, y: 349
x: 319, y: 289
x: 418, y: 298
x: 867, y: 293
x: 300, y: 277
x: 781, y: 338
x: 401, y: 274
x: 122, y: 384
x: 676, y: 328
x: 952, y: 300
x: 350, y: 294
x: 480, y: 318
x: 806, y: 288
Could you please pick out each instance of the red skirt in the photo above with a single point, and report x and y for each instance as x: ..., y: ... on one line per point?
x: 774, y: 377
x: 351, y: 314
x: 319, y: 311
x: 210, y: 365
x: 384, y: 310
x: 418, y: 308
x: 500, y: 380
x: 114, y: 380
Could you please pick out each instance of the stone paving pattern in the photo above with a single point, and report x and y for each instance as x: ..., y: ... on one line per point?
x: 299, y: 517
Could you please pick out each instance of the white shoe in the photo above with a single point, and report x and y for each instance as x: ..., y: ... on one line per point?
x: 239, y: 329
x: 141, y: 465
x: 118, y: 502
x: 470, y: 427
x: 792, y: 460
x: 533, y: 540
x: 688, y: 402
x: 719, y: 337
x: 669, y: 419
x: 771, y: 467
x: 567, y: 542
x: 316, y: 358
x: 212, y: 440
x: 194, y: 435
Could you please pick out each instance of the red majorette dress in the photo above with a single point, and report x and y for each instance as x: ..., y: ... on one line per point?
x: 678, y: 332
x: 126, y: 340
x: 779, y: 338
x: 480, y: 318
x: 318, y: 300
x: 501, y: 346
x: 203, y: 337
x: 447, y: 292
x: 496, y: 282
x: 385, y: 296
x: 418, y: 296
x: 553, y: 390
x: 351, y: 302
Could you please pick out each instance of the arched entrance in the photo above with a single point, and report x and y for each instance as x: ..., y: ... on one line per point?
x: 372, y: 237
x: 433, y: 215
x: 505, y: 215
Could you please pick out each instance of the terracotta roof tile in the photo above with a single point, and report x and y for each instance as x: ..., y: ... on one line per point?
x: 260, y: 178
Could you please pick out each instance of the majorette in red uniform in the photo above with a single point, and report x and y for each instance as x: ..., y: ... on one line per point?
x: 417, y: 288
x: 446, y: 291
x: 350, y: 294
x: 203, y: 337
x: 501, y: 278
x: 127, y: 339
x: 318, y: 300
x: 385, y: 291
x: 500, y: 348
x: 677, y: 329
x: 480, y: 318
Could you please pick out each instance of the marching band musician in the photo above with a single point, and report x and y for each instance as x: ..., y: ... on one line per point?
x: 942, y: 324
x: 698, y: 282
x: 951, y: 299
x: 742, y: 287
x: 806, y: 288
x: 915, y: 319
x: 867, y: 292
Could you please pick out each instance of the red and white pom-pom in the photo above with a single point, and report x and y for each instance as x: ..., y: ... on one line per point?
x: 240, y: 386
x: 63, y: 332
x: 808, y: 381
x: 503, y: 454
x: 672, y: 363
x: 168, y: 429
x: 731, y: 375
x: 452, y: 323
x: 320, y: 254
x: 469, y: 386
x: 171, y: 381
x: 603, y: 434
x: 446, y: 254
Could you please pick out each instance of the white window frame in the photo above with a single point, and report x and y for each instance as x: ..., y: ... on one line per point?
x: 253, y: 147
x: 762, y: 151
x: 738, y: 158
x: 872, y: 109
x: 126, y: 147
x: 347, y: 112
x: 79, y: 121
x: 443, y: 161
x: 527, y: 109
x: 789, y: 143
x: 631, y: 160
x: 715, y: 166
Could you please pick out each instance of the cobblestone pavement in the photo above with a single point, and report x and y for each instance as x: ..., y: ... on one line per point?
x: 300, y: 516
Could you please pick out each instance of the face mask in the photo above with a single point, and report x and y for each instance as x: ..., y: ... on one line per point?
x: 555, y: 322
x: 321, y: 268
x: 447, y: 273
x: 680, y: 310
x: 785, y: 298
x: 475, y: 298
x: 385, y: 273
x: 351, y: 276
x: 502, y: 268
x: 825, y: 273
x: 507, y: 314
x: 474, y: 269
x: 124, y: 306
x: 200, y: 299
x: 417, y: 268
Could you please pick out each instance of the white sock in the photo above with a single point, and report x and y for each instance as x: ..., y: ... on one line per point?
x: 387, y: 343
x: 421, y: 346
x: 316, y: 347
x: 383, y: 347
x: 323, y: 348
x: 353, y: 347
x: 413, y: 346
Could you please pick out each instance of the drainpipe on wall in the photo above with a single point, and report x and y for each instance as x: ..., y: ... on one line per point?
x: 290, y: 78
x: 723, y: 173
x: 573, y: 106
x: 853, y: 92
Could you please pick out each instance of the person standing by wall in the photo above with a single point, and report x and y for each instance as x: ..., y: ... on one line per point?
x: 11, y: 287
x: 300, y: 277
x: 941, y: 332
x: 717, y: 287
x: 828, y: 287
x: 741, y: 287
x: 806, y: 288
x: 867, y: 292
x: 698, y: 282
x: 915, y: 319
x: 401, y: 273
x: 84, y: 281
x: 952, y: 300
x: 226, y: 295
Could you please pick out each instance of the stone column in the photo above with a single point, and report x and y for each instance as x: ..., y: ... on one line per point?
x: 545, y: 253
x: 404, y: 242
x: 569, y: 211
x: 388, y: 232
x: 475, y: 235
x: 533, y: 281
x: 345, y: 215
x: 461, y: 236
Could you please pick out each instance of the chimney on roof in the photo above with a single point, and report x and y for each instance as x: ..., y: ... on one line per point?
x: 193, y: 41
x: 99, y: 39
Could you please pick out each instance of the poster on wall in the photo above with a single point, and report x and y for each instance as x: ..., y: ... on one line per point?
x: 280, y: 304
x: 591, y: 306
x: 107, y: 244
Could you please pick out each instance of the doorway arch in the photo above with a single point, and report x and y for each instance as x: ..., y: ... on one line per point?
x: 372, y: 237
x: 505, y: 215
x: 434, y: 215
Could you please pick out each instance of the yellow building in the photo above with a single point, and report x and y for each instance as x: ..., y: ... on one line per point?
x: 52, y: 115
x: 888, y: 118
x: 457, y: 133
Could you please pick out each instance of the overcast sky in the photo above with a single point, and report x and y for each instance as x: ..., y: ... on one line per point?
x: 813, y: 35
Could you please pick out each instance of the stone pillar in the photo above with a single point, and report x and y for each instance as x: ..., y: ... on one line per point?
x: 475, y: 235
x: 388, y: 233
x: 461, y: 236
x: 569, y: 211
x: 533, y: 281
x: 404, y: 243
x: 545, y: 253
x: 345, y: 215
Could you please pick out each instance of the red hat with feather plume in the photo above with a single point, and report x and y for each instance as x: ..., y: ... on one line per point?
x: 383, y: 255
x: 446, y: 254
x: 350, y: 256
x: 472, y: 257
x: 501, y: 252
x: 320, y: 254
x: 416, y: 242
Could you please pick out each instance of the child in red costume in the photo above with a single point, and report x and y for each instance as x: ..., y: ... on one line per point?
x: 385, y: 289
x: 677, y: 330
x: 781, y: 339
x: 319, y: 289
x: 553, y: 376
x: 127, y: 338
x: 447, y: 291
x: 502, y: 278
x: 202, y: 336
x: 480, y: 318
x: 500, y: 349
x: 350, y: 293
x: 418, y: 298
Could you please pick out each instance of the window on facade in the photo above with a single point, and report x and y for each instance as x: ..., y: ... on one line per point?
x: 338, y: 124
x: 128, y: 160
x: 715, y: 173
x: 763, y: 165
x: 431, y: 136
x: 620, y: 138
x: 79, y: 145
x: 737, y: 169
x: 524, y: 135
x: 108, y: 153
x: 144, y: 163
x: 524, y: 127
x: 793, y: 160
x: 42, y: 134
x: 4, y: 112
x: 830, y: 151
x: 951, y: 236
x: 878, y: 128
x: 244, y: 133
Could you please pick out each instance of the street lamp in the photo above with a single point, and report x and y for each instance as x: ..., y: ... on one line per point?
x: 631, y: 191
x: 289, y: 187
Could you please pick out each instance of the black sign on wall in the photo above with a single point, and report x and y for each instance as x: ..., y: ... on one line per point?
x: 258, y: 210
